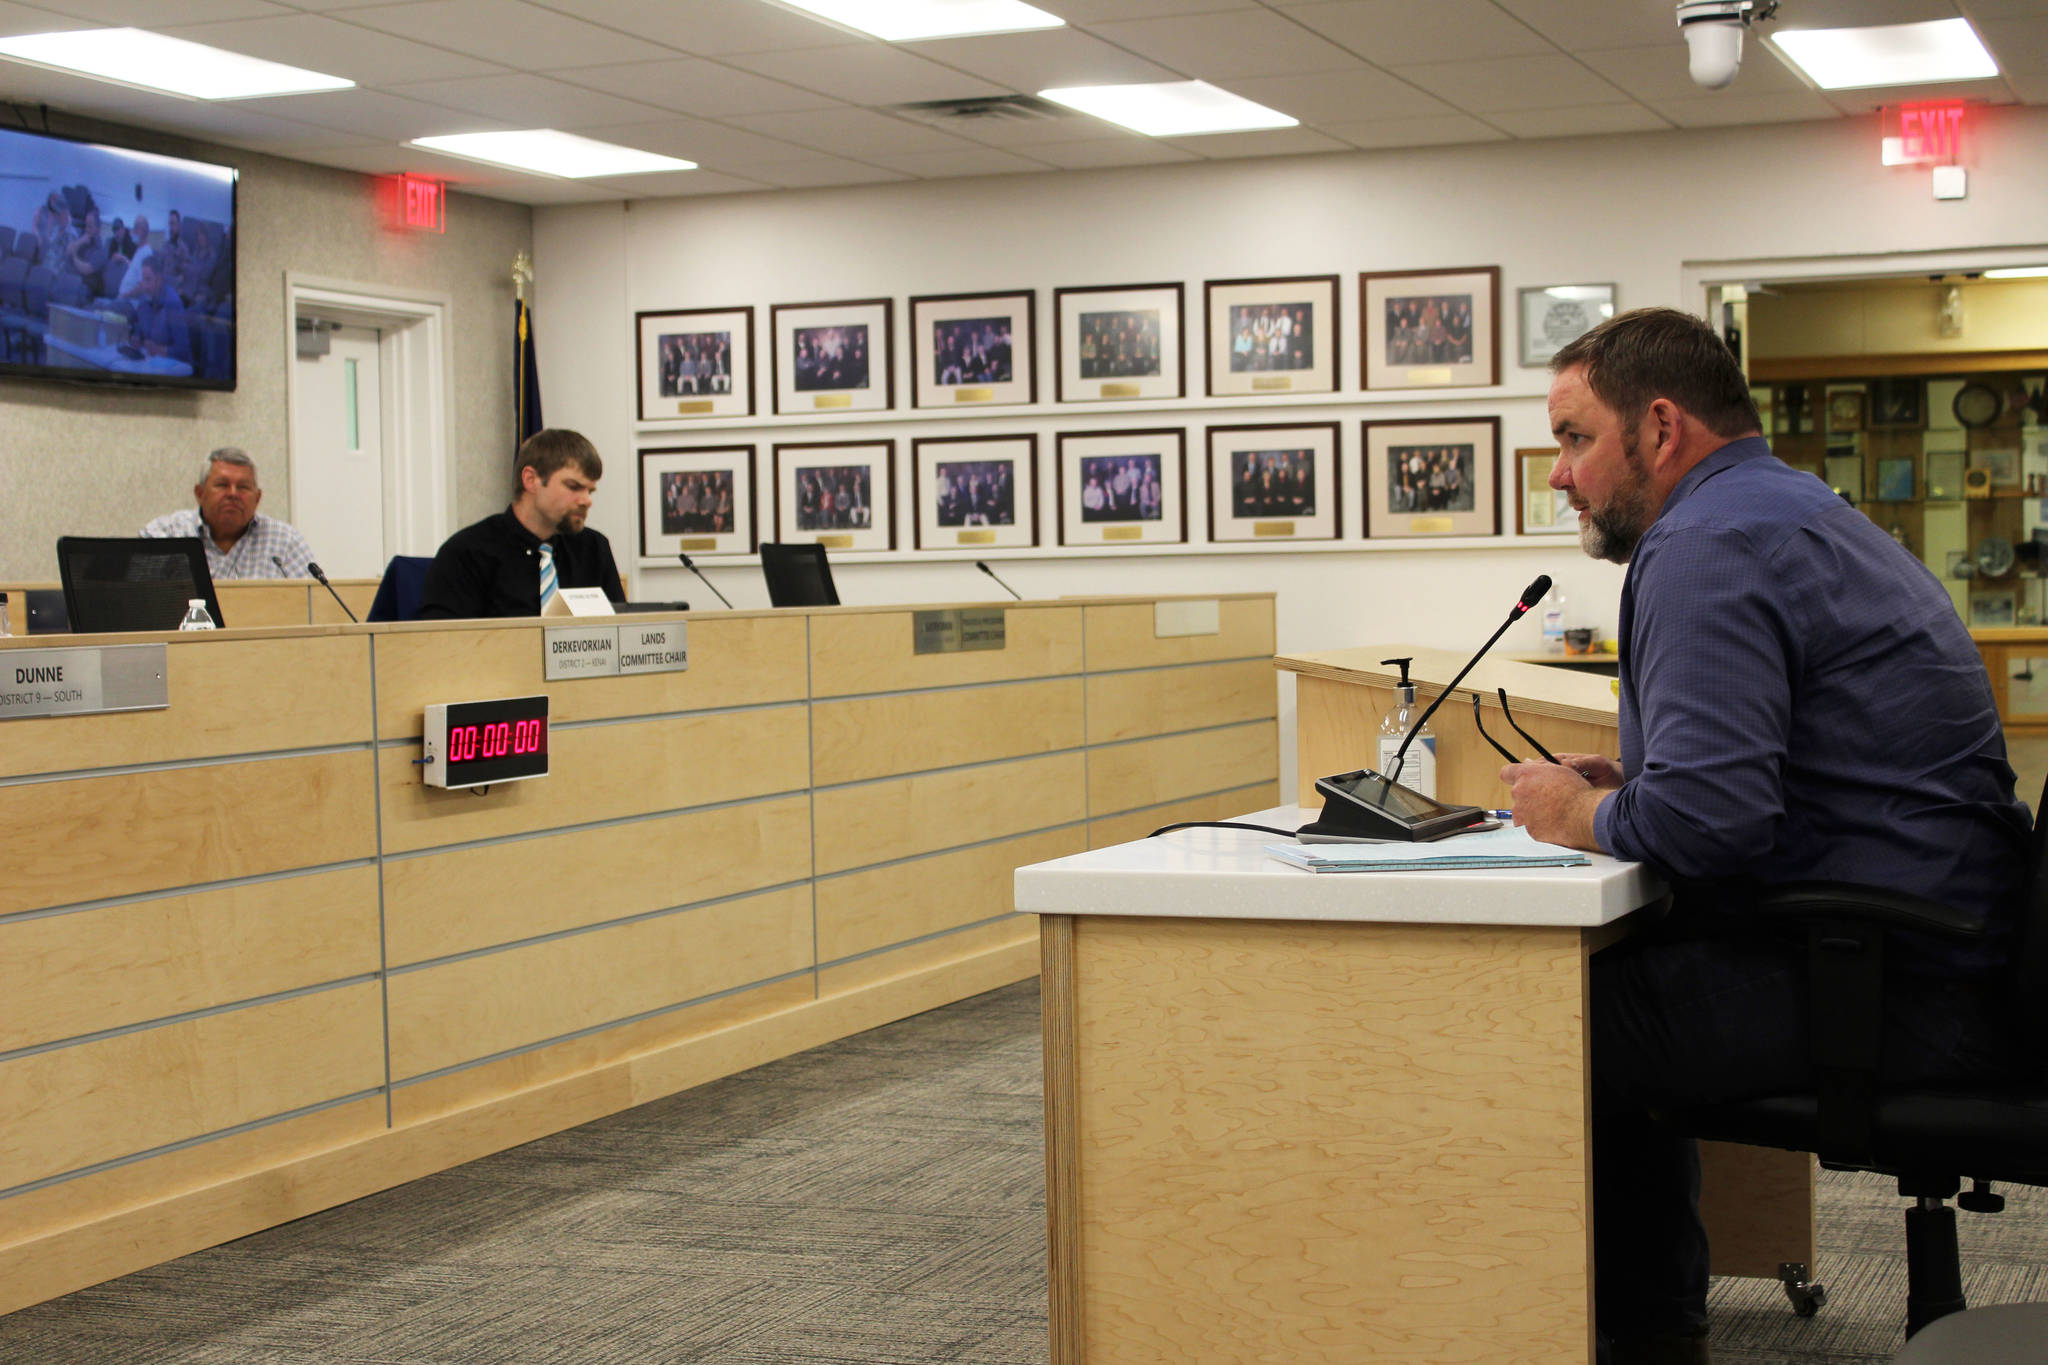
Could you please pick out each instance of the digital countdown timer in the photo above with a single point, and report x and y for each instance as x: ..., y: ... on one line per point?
x: 479, y: 743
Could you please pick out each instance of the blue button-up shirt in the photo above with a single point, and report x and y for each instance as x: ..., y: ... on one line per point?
x: 1800, y: 701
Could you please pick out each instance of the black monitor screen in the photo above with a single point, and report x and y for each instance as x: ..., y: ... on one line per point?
x: 116, y: 265
x: 1373, y: 789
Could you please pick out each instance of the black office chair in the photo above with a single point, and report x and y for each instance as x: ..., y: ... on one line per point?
x: 401, y: 589
x: 133, y: 583
x: 798, y: 575
x: 1929, y: 1140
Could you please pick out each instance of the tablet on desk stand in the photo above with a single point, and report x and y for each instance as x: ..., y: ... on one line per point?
x: 1365, y: 807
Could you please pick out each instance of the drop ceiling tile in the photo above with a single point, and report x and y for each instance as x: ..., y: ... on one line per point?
x: 1710, y: 111
x: 1661, y: 73
x: 1114, y: 151
x: 712, y: 28
x: 2030, y: 86
x: 235, y: 120
x: 526, y: 101
x: 825, y: 171
x: 1539, y: 82
x: 385, y: 158
x: 1065, y: 126
x: 375, y: 114
x: 155, y: 13
x: 16, y: 19
x: 872, y: 75
x: 1401, y: 33
x: 973, y: 161
x: 509, y: 32
x: 1857, y: 13
x: 691, y: 85
x: 664, y: 183
x: 1440, y: 130
x: 1870, y: 101
x: 534, y: 192
x: 1235, y: 43
x: 1582, y: 120
x: 1090, y: 12
x: 2008, y: 9
x: 849, y: 132
x: 1043, y: 60
x: 1577, y: 24
x: 707, y: 144
x: 363, y: 55
x: 1267, y: 142
x: 2020, y: 46
x: 1339, y: 96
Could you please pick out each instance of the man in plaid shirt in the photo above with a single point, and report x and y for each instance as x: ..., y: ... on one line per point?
x: 239, y: 543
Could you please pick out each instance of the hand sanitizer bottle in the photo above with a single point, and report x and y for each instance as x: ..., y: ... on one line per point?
x: 1418, y: 768
x: 1553, y: 623
x: 196, y: 616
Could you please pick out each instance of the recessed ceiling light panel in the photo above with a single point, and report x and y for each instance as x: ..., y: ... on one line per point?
x: 1887, y: 54
x: 2017, y: 272
x: 1170, y: 108
x: 151, y: 61
x: 904, y: 21
x: 547, y: 152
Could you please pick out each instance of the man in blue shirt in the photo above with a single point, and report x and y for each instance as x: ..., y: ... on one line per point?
x: 160, y: 315
x: 1799, y: 701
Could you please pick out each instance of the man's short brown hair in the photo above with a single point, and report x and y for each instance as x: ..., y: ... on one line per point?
x: 548, y: 450
x: 1652, y: 353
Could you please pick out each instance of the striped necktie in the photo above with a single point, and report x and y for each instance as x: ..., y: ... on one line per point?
x: 547, y: 575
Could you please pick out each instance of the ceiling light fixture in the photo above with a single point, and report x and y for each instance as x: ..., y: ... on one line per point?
x: 151, y: 61
x: 904, y: 21
x: 2017, y: 272
x: 1887, y: 54
x: 1170, y: 108
x: 545, y: 151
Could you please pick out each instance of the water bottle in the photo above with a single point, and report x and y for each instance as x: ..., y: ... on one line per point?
x: 1553, y: 623
x: 197, y: 617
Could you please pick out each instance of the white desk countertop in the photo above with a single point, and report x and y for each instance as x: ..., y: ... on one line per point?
x: 1227, y: 874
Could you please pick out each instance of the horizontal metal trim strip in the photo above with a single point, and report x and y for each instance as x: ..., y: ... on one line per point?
x: 595, y: 722
x: 608, y: 823
x: 174, y: 764
x: 951, y: 848
x: 165, y: 1021
x: 190, y: 889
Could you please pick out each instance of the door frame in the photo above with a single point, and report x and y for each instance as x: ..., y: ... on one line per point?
x: 416, y: 379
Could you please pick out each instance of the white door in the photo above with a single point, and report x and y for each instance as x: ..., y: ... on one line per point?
x: 338, y: 469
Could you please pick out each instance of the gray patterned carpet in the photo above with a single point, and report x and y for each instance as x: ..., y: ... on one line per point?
x: 876, y: 1200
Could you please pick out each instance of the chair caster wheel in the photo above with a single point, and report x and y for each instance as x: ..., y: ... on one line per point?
x: 1806, y: 1296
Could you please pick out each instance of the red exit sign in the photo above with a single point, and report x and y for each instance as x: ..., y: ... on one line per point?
x: 1923, y: 134
x: 426, y: 203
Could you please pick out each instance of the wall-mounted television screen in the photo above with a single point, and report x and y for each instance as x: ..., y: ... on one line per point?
x: 115, y: 265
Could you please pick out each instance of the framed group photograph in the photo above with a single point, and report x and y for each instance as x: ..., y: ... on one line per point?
x: 833, y: 357
x: 1425, y: 329
x: 698, y: 501
x: 1118, y: 342
x: 973, y: 349
x: 975, y: 492
x: 839, y: 494
x: 1271, y: 336
x: 1898, y: 404
x: 1992, y: 610
x: 695, y: 362
x: 1123, y: 487
x: 2003, y: 466
x: 1432, y: 477
x: 1555, y: 315
x: 1274, y: 483
x: 1541, y: 510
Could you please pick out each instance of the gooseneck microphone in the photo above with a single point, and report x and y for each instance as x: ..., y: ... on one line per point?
x: 707, y: 582
x: 1531, y: 595
x: 321, y: 578
x: 982, y: 564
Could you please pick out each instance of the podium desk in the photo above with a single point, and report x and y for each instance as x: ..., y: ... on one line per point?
x: 1317, y: 1117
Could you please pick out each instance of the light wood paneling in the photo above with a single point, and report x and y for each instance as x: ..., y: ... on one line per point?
x: 602, y: 772
x: 1386, y: 1120
x: 454, y: 902
x: 99, y: 837
x: 62, y: 976
x: 254, y: 602
x: 1057, y: 1009
x: 1120, y: 636
x: 76, y: 1106
x: 1148, y: 772
x: 864, y: 911
x: 1160, y: 701
x: 1121, y: 829
x: 357, y: 592
x: 1015, y: 939
x: 227, y: 695
x: 915, y: 731
x: 477, y: 1006
x: 853, y: 652
x: 878, y: 822
x: 1757, y: 1204
x: 734, y: 661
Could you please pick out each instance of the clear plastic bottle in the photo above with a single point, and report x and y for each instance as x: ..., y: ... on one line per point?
x: 1418, y: 766
x: 1553, y: 623
x: 197, y: 617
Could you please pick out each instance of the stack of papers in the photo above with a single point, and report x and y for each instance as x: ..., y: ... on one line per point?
x: 1509, y: 846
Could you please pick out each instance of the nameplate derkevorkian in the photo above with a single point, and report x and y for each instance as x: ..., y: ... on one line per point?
x: 610, y: 651
x: 83, y: 682
x: 953, y: 629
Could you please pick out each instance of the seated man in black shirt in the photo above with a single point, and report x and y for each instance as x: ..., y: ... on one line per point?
x: 498, y: 566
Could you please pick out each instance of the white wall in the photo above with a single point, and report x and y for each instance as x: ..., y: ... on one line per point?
x: 1636, y: 210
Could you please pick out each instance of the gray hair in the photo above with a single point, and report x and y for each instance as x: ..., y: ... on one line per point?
x: 233, y: 455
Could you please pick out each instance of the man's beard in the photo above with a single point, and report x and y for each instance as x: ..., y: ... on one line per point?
x: 1610, y: 533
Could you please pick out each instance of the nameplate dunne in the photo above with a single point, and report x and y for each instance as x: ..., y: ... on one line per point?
x: 615, y: 651
x: 83, y: 682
